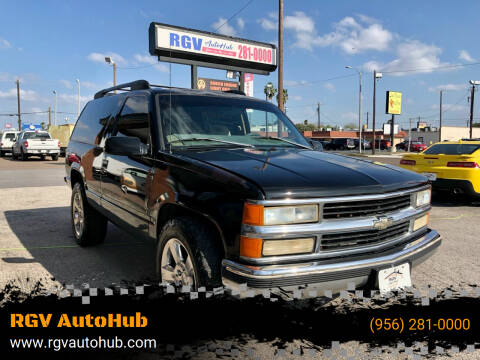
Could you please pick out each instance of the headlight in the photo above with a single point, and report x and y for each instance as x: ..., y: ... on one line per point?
x: 290, y: 214
x: 423, y: 198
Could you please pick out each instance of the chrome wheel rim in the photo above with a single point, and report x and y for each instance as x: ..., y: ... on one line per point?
x: 78, y: 214
x: 176, y: 264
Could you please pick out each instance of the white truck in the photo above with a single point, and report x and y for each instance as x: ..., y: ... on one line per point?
x: 35, y: 143
x: 7, y: 139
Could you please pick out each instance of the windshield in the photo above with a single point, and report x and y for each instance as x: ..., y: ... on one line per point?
x: 10, y: 136
x: 200, y: 120
x: 452, y: 149
x: 36, y: 135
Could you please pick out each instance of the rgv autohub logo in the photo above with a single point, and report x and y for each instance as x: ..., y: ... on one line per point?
x: 36, y: 320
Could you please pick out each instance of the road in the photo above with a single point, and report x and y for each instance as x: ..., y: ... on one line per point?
x: 36, y: 241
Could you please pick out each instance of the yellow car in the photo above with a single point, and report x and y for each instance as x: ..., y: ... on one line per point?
x: 449, y: 165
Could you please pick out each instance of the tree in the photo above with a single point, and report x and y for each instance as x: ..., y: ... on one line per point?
x: 476, y: 125
x: 269, y: 90
x: 285, y: 97
x: 350, y: 126
x: 305, y: 127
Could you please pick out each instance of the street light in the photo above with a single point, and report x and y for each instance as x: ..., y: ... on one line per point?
x: 376, y: 76
x: 109, y: 60
x: 359, y: 106
x: 472, y: 99
x: 78, y: 98
x: 55, y: 116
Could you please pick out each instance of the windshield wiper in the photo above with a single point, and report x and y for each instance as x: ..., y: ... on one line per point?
x: 284, y: 140
x: 182, y: 140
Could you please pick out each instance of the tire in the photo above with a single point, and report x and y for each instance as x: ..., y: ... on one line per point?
x: 23, y: 156
x: 341, y: 147
x: 88, y: 225
x: 2, y: 154
x: 197, y: 244
x: 14, y: 157
x: 55, y: 157
x: 42, y: 157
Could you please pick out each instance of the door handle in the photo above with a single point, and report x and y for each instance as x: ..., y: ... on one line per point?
x: 104, y: 163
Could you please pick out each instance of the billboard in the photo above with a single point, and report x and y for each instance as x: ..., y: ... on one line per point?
x: 194, y: 47
x: 216, y: 85
x: 394, y: 103
x: 248, y: 84
x: 31, y: 127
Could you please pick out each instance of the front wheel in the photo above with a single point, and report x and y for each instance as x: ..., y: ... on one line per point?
x: 14, y: 156
x: 89, y: 226
x: 188, y: 254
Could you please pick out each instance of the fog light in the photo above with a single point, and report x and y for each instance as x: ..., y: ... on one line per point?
x: 288, y: 247
x: 420, y: 222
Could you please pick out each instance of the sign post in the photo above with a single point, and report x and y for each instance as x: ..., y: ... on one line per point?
x: 393, y: 107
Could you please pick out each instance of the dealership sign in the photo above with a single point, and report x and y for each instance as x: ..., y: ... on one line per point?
x: 188, y: 46
x: 216, y: 85
x: 394, y: 103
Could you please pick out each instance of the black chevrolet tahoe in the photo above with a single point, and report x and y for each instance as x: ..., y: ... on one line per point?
x: 232, y: 194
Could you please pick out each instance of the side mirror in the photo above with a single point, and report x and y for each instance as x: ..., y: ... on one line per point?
x: 125, y: 145
x: 317, y: 145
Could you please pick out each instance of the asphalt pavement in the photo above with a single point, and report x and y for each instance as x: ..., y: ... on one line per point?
x: 36, y: 241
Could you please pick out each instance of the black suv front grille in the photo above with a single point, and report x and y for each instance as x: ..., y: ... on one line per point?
x: 340, y: 241
x: 365, y: 207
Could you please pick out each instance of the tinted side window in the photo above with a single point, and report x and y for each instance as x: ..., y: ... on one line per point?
x: 92, y: 122
x: 133, y: 120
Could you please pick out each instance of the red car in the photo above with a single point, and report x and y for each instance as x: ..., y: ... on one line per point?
x: 382, y: 144
x: 415, y: 146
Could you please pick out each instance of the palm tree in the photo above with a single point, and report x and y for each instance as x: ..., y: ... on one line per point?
x: 269, y: 91
x: 285, y: 97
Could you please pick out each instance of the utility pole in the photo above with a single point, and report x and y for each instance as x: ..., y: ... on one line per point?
x: 78, y: 98
x: 367, y: 119
x: 360, y: 113
x: 49, y: 117
x: 440, y: 126
x: 472, y: 98
x: 280, y: 54
x: 373, y: 111
x: 55, y: 114
x: 18, y: 106
x: 392, y: 133
x: 318, y: 115
x: 409, y: 134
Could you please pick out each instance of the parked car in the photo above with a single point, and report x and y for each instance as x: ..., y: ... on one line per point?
x: 450, y: 165
x: 415, y: 146
x: 35, y: 143
x: 7, y: 139
x: 382, y: 144
x: 365, y: 144
x: 229, y: 205
x: 341, y: 144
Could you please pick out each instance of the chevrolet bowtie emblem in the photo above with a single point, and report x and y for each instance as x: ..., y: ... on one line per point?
x: 382, y: 222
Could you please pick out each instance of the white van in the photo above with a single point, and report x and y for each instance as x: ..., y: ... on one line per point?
x: 7, y: 139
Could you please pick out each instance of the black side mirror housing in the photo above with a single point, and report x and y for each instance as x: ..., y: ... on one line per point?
x: 317, y: 145
x: 125, y: 145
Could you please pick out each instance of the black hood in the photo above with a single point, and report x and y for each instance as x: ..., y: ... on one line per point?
x: 293, y: 172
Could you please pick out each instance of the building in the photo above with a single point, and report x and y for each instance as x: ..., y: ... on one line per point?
x: 353, y: 134
x: 448, y: 133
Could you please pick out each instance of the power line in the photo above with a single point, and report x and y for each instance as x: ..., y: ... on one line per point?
x: 320, y: 81
x: 235, y: 14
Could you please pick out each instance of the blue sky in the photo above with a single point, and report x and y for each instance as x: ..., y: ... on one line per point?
x: 49, y: 44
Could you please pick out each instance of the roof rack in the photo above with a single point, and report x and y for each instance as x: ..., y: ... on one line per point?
x: 134, y: 85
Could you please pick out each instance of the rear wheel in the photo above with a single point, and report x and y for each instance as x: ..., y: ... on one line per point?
x: 89, y: 226
x: 2, y: 153
x: 188, y: 254
x: 14, y: 156
x: 42, y: 157
x: 55, y: 157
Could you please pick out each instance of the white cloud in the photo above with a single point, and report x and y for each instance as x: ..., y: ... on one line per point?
x: 411, y: 55
x: 67, y: 84
x: 147, y: 59
x: 72, y: 99
x: 225, y: 29
x: 100, y: 57
x: 350, y: 35
x: 297, y: 98
x: 293, y: 83
x: 25, y: 95
x: 464, y: 55
x: 350, y: 116
x: 449, y: 87
x: 5, y: 44
x: 89, y: 85
x: 330, y: 86
x: 241, y: 23
x: 451, y: 107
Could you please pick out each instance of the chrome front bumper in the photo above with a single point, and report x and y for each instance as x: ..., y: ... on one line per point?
x: 333, y: 274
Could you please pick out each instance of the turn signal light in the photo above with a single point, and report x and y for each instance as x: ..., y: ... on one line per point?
x: 408, y: 162
x: 251, y: 247
x: 463, y: 164
x: 252, y: 214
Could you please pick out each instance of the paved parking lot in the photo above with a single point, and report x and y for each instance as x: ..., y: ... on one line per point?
x: 36, y: 238
x: 36, y: 243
